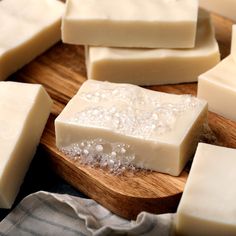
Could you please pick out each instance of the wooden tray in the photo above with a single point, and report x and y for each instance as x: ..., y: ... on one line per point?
x: 62, y: 70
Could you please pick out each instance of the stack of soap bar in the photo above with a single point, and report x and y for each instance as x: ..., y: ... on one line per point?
x: 156, y: 66
x: 208, y: 204
x: 160, y: 131
x: 218, y: 87
x: 24, y: 111
x: 226, y: 8
x: 28, y: 28
x: 131, y: 23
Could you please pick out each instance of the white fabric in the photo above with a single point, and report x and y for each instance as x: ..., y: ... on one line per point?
x: 45, y: 213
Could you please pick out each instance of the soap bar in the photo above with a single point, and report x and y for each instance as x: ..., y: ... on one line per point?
x: 218, y: 87
x: 225, y: 8
x: 28, y: 28
x: 24, y: 111
x: 158, y: 131
x: 131, y: 23
x: 156, y: 66
x: 208, y: 206
x: 233, y: 43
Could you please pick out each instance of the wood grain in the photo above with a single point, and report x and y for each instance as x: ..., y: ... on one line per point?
x: 62, y: 71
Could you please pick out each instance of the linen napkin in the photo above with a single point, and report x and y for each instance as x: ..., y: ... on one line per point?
x: 45, y: 213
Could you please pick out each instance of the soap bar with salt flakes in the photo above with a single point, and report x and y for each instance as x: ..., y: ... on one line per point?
x: 218, y: 87
x: 208, y: 206
x: 226, y: 8
x: 156, y: 66
x: 155, y: 130
x: 24, y: 111
x: 131, y: 23
x: 28, y: 28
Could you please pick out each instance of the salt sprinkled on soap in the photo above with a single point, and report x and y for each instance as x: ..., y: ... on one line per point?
x: 134, y: 119
x: 116, y: 157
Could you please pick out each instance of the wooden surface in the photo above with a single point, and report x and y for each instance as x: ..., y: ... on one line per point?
x: 62, y: 70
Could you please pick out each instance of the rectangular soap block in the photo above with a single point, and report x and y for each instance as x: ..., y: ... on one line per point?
x: 131, y: 23
x: 156, y: 66
x: 225, y: 8
x: 24, y: 111
x: 233, y: 43
x: 208, y: 206
x: 157, y: 131
x: 28, y: 28
x: 218, y: 87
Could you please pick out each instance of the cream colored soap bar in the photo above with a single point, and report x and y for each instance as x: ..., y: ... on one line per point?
x: 226, y: 8
x: 218, y: 87
x: 28, y: 28
x: 233, y: 43
x: 158, y: 130
x: 131, y: 23
x: 208, y: 206
x: 24, y: 111
x: 156, y: 66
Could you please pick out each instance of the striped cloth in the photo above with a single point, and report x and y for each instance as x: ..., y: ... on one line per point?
x: 44, y: 213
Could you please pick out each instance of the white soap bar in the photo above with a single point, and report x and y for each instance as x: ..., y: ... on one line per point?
x: 226, y: 8
x: 160, y: 131
x: 233, y: 43
x: 218, y: 87
x: 24, y: 111
x: 28, y: 28
x: 156, y: 66
x: 208, y: 206
x: 131, y: 23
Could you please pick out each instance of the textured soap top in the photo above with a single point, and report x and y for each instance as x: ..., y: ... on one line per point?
x: 131, y: 110
x: 126, y: 10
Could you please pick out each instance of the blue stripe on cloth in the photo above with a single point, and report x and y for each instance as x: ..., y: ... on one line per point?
x: 49, y: 222
x: 90, y: 204
x: 55, y: 209
x: 16, y: 225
